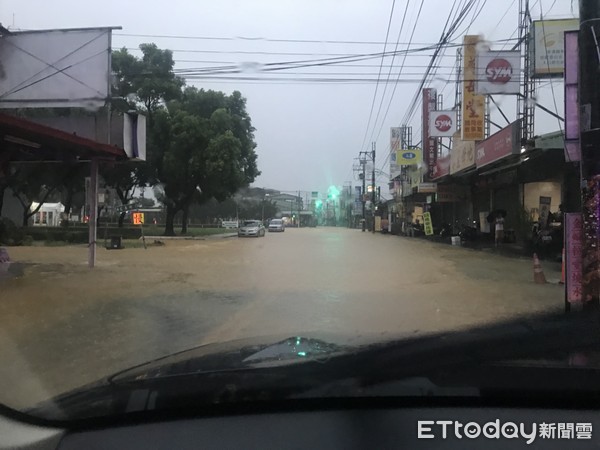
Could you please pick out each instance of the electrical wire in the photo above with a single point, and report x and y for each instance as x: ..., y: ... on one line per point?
x: 390, y: 72
x: 387, y: 34
x: 397, y: 82
x: 253, y: 39
x: 445, y: 38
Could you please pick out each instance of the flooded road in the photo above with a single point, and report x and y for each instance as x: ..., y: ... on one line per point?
x: 63, y: 326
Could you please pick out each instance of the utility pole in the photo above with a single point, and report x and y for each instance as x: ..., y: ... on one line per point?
x: 363, y: 163
x: 589, y: 102
x: 373, y: 186
x: 299, y: 199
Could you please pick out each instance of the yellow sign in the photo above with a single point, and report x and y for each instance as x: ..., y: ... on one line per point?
x: 549, y: 46
x: 427, y: 225
x: 409, y: 157
x: 138, y: 218
x: 473, y: 105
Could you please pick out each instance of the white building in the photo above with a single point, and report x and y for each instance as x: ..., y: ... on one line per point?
x: 49, y: 214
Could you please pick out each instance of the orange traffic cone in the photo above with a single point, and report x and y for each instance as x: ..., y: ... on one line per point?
x: 538, y: 273
x: 562, y: 270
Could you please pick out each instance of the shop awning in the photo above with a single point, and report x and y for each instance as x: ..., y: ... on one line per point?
x: 24, y: 140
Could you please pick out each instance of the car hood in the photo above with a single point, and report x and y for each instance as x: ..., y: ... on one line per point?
x: 548, y: 356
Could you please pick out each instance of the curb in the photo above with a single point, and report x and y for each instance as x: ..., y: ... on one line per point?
x: 191, y: 238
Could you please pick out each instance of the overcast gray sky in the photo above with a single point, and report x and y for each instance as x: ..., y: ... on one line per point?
x: 308, y: 132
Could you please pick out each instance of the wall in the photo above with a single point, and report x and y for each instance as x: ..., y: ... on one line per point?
x: 533, y: 192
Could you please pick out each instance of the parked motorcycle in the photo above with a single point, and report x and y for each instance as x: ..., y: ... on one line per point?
x: 548, y: 240
x: 447, y: 230
x: 468, y: 233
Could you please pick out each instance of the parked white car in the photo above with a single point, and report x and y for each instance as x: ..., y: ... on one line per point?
x: 276, y: 225
x: 251, y: 228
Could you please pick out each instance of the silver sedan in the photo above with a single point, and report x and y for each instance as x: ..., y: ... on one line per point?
x: 251, y: 228
x: 276, y: 225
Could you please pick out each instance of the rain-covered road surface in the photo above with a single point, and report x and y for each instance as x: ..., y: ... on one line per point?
x: 63, y: 326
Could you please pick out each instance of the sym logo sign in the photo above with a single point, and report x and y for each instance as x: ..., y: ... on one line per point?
x: 442, y: 123
x: 499, y: 71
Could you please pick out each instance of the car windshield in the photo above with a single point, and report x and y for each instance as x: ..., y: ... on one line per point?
x: 231, y: 187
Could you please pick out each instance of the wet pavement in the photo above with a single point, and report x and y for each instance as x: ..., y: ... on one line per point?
x: 63, y: 326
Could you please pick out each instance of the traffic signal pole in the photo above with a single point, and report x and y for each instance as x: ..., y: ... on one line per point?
x: 589, y: 102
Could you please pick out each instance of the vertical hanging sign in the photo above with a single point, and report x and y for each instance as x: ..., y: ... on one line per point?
x: 395, y: 136
x: 429, y: 143
x: 571, y: 57
x: 473, y: 105
x: 573, y: 263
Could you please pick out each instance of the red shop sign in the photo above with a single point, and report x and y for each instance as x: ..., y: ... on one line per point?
x: 504, y: 143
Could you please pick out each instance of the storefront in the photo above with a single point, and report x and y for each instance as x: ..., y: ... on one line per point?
x: 497, y: 186
x: 441, y: 211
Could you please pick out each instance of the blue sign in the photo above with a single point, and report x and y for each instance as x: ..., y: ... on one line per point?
x: 408, y: 155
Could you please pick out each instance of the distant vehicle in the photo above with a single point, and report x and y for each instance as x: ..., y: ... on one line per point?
x: 276, y: 225
x: 251, y: 228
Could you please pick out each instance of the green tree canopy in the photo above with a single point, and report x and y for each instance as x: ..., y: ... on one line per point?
x: 147, y: 83
x: 202, y: 147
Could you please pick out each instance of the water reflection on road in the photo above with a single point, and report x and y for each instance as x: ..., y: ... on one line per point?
x: 63, y: 325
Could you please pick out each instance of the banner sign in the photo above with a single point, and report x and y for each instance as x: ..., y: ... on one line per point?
x: 442, y: 123
x: 548, y: 46
x: 462, y: 156
x: 473, y: 105
x: 427, y: 188
x: 429, y: 143
x: 229, y: 223
x: 450, y: 193
x: 442, y: 167
x: 504, y: 143
x: 395, y: 139
x: 55, y: 68
x: 499, y: 72
x: 571, y: 45
x: 409, y: 157
x: 573, y: 263
x: 427, y: 224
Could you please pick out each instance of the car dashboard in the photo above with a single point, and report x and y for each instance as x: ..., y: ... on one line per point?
x: 367, y: 423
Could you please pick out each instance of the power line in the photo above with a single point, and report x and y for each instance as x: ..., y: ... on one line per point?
x: 441, y: 42
x: 251, y: 39
x: 390, y: 71
x: 387, y: 33
x: 296, y: 79
x: 446, y: 37
x: 398, y: 78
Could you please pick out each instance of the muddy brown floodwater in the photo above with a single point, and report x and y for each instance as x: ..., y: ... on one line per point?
x: 63, y: 326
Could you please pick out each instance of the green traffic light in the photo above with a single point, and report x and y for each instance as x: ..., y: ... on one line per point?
x: 333, y: 192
